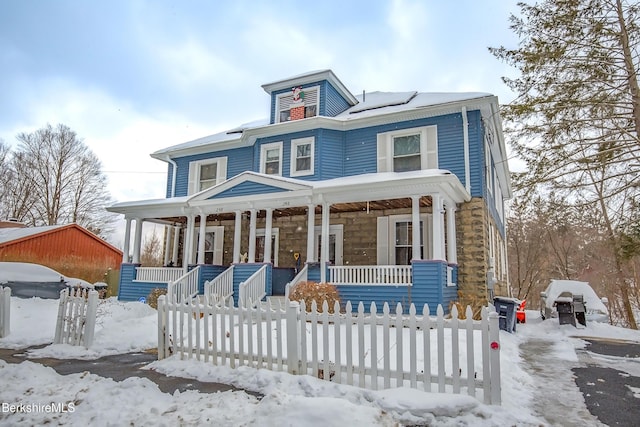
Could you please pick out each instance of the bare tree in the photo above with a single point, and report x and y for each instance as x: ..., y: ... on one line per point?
x: 151, y: 255
x: 56, y: 179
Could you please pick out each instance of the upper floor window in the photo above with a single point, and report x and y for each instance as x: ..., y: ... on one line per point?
x: 299, y: 103
x: 408, y: 149
x: 302, y: 158
x: 271, y: 158
x: 206, y: 173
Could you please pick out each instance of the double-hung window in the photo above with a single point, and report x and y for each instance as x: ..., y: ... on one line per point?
x: 271, y: 158
x: 408, y: 149
x: 206, y: 173
x: 302, y: 156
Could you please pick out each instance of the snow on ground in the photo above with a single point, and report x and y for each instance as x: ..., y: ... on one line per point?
x: 288, y: 400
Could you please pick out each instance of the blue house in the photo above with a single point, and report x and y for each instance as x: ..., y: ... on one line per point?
x: 392, y: 197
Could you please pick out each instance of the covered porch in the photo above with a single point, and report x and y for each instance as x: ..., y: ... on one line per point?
x: 378, y: 237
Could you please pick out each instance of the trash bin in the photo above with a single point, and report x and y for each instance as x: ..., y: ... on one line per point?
x: 580, y: 309
x: 506, y: 309
x: 564, y: 307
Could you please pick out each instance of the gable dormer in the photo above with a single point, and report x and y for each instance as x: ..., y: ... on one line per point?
x: 317, y: 93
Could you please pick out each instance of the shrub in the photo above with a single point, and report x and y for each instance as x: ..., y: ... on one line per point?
x: 318, y: 292
x: 155, y: 293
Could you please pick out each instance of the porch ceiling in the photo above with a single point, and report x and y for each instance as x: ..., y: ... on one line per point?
x: 373, y: 205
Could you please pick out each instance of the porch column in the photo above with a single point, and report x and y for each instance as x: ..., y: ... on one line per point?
x: 127, y: 239
x: 452, y: 250
x: 252, y: 236
x: 437, y: 235
x: 415, y: 228
x: 176, y: 245
x: 311, y: 228
x: 324, y: 256
x: 237, y: 233
x: 188, y: 245
x: 201, y: 237
x: 137, y: 241
x: 167, y: 243
x: 267, y: 235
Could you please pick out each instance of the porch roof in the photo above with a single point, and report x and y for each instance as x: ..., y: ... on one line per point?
x: 290, y: 196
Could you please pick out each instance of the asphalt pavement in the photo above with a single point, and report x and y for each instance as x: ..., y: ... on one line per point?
x: 120, y: 367
x: 611, y: 394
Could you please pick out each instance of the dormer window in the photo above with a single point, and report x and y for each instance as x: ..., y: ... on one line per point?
x: 299, y: 103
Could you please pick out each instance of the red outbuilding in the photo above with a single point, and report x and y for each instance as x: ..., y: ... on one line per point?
x: 69, y: 249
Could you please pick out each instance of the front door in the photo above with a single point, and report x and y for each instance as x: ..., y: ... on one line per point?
x: 213, y: 244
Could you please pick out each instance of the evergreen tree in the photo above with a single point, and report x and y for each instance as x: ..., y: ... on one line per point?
x: 576, y: 118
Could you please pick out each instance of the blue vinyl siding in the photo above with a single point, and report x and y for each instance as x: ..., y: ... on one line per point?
x: 335, y: 103
x: 130, y: 290
x: 286, y: 152
x: 248, y: 188
x: 476, y: 154
x: 238, y: 161
x: 207, y: 273
x: 330, y: 149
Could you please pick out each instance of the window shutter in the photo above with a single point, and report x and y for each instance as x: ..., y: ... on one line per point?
x: 383, y: 240
x: 222, y: 170
x: 432, y: 147
x: 193, y: 178
x: 383, y: 153
x: 218, y: 245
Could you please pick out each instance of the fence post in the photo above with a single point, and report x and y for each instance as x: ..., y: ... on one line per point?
x: 494, y: 339
x: 162, y: 324
x: 90, y: 323
x: 5, y: 311
x: 293, y: 337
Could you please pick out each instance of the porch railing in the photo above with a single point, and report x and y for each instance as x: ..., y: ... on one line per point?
x: 158, y: 274
x: 300, y: 277
x: 220, y: 289
x: 185, y: 287
x: 253, y: 289
x: 394, y: 275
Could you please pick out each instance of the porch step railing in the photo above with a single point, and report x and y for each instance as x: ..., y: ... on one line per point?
x: 300, y: 277
x: 220, y: 289
x: 158, y: 274
x: 184, y: 288
x: 394, y: 275
x: 252, y: 290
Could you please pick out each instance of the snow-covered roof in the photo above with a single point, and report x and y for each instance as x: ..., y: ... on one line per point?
x: 10, y: 234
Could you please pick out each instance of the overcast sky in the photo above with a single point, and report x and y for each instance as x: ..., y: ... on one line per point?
x: 131, y: 77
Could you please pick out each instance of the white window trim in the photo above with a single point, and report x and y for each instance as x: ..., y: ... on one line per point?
x: 386, y: 238
x: 282, y: 95
x: 218, y: 242
x: 275, y: 232
x: 428, y: 147
x: 263, y: 156
x: 338, y: 230
x: 294, y: 145
x: 194, y: 172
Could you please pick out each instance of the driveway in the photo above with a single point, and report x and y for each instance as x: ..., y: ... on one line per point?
x: 610, y: 381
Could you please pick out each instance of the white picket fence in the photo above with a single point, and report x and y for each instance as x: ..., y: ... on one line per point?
x: 5, y: 311
x: 185, y: 287
x: 370, y: 350
x: 76, y: 320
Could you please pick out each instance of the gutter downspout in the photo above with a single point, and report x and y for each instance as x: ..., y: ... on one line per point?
x: 174, y: 171
x: 465, y: 137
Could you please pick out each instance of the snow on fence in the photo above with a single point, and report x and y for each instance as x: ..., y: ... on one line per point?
x: 76, y: 320
x: 252, y: 290
x: 375, y: 350
x: 5, y: 311
x: 185, y: 287
x: 220, y: 288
